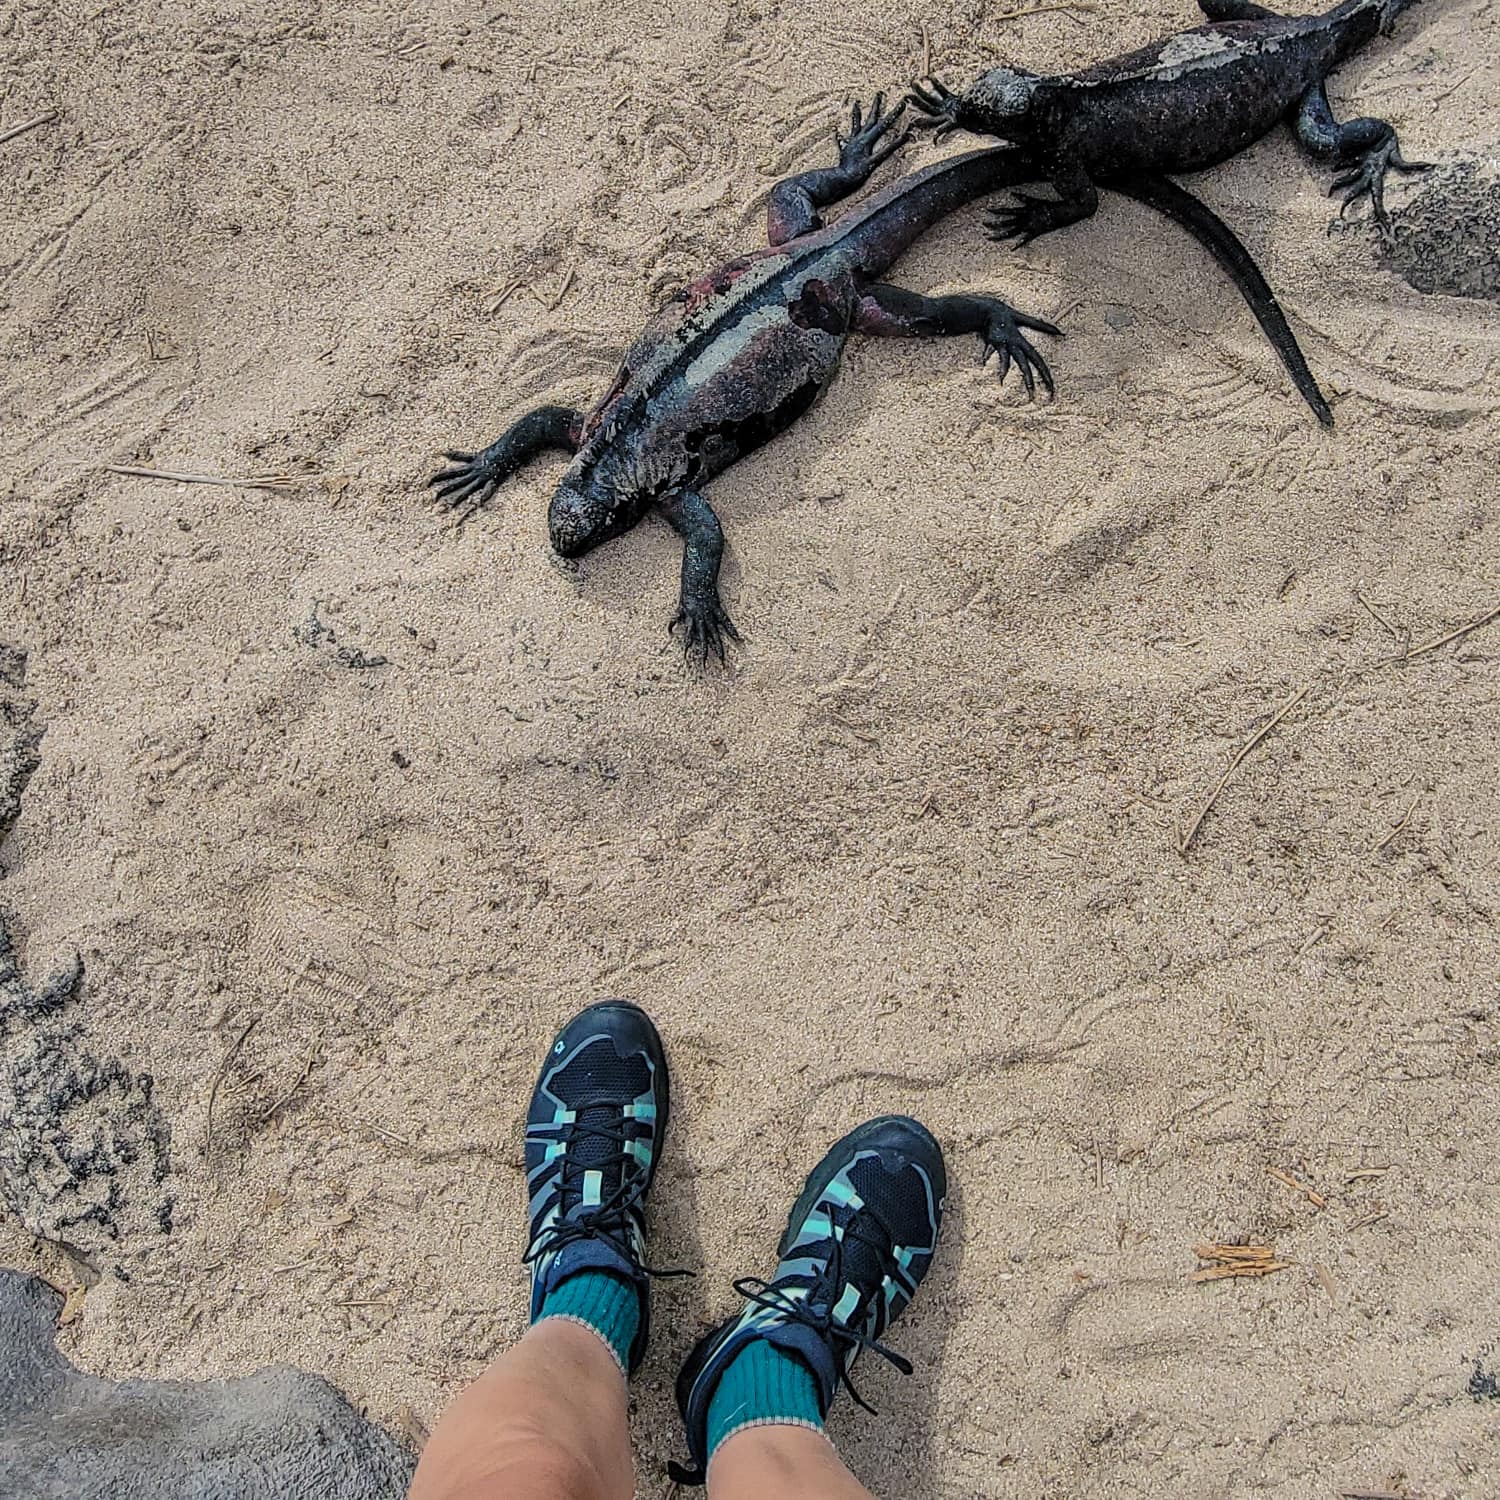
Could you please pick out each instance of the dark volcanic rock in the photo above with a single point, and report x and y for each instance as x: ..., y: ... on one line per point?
x: 279, y: 1434
x: 1447, y: 237
x: 83, y: 1149
x: 20, y: 735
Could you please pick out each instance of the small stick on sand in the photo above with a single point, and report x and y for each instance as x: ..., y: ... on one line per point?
x: 1236, y: 1260
x: 253, y: 482
x: 1312, y: 1195
x: 25, y: 125
x: 1379, y: 1495
x: 1363, y: 1172
x: 1404, y: 636
x: 1399, y: 829
x: 302, y: 1077
x: 926, y: 52
x: 1313, y: 941
x: 503, y: 296
x: 213, y: 1088
x: 1042, y: 10
x: 1184, y: 840
x: 564, y: 289
x: 1452, y: 635
x: 1240, y: 1268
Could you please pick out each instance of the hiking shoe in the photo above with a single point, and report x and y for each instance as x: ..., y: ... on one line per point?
x: 593, y: 1137
x: 857, y: 1245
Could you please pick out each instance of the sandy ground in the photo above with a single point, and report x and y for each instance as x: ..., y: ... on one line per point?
x: 914, y: 850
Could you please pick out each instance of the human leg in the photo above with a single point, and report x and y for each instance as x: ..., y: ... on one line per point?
x: 547, y: 1421
x: 859, y: 1240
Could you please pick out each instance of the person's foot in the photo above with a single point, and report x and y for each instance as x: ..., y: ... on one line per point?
x: 857, y: 1245
x: 593, y: 1138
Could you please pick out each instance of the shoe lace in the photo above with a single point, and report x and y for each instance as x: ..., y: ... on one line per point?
x: 847, y: 1342
x: 610, y: 1220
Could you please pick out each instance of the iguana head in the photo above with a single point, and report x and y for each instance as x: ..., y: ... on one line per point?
x: 1003, y: 97
x: 584, y: 513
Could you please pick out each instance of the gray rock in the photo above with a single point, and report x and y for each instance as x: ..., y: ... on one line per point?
x: 20, y: 735
x: 84, y: 1151
x: 279, y: 1434
x: 1447, y: 237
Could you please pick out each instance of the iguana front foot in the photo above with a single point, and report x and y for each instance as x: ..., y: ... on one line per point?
x: 858, y: 153
x: 700, y: 612
x: 474, y: 477
x: 1367, y: 179
x: 1003, y: 338
x: 705, y: 625
x: 1027, y: 219
x: 940, y: 109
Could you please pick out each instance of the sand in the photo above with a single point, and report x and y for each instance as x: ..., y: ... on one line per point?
x: 915, y: 850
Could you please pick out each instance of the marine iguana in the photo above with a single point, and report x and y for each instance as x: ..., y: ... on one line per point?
x: 1182, y: 104
x: 737, y: 356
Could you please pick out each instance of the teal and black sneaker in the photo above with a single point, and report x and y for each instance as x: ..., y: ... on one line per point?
x: 857, y: 1245
x: 593, y: 1138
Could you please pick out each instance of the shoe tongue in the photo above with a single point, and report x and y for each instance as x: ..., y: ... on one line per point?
x: 860, y: 1265
x: 589, y: 1150
x: 815, y: 1351
x: 596, y: 1085
x: 587, y: 1154
x: 591, y: 1254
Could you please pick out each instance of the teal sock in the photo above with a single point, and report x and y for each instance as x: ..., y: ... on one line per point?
x: 763, y: 1387
x: 607, y: 1304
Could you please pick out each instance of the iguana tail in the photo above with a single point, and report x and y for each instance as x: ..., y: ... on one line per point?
x: 1220, y: 241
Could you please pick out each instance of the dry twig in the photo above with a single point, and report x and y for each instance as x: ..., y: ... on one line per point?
x: 1184, y: 840
x: 25, y: 125
x: 1312, y: 1195
x: 1236, y: 1260
x: 250, y: 482
x: 1313, y: 941
x: 1400, y: 827
x: 1452, y: 635
x: 564, y: 289
x: 219, y: 1072
x: 302, y: 1077
x: 1042, y: 10
x: 1404, y: 636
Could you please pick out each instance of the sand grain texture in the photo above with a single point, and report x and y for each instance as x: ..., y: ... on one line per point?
x: 915, y: 850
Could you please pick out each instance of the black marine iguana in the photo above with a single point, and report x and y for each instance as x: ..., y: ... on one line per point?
x: 737, y: 356
x: 1182, y: 104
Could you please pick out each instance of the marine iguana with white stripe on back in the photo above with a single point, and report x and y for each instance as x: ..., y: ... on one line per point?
x: 736, y: 357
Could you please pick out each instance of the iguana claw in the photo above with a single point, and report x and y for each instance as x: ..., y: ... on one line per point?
x: 939, y: 108
x: 1367, y: 180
